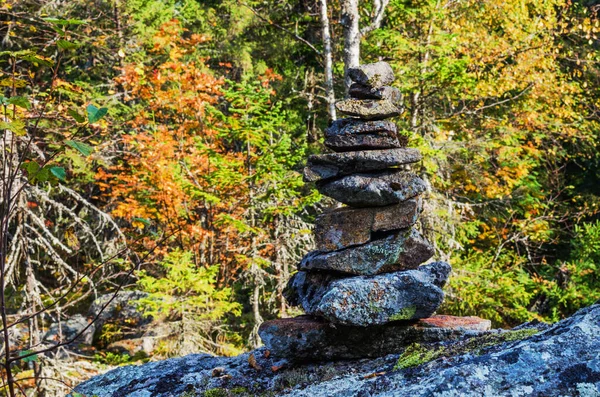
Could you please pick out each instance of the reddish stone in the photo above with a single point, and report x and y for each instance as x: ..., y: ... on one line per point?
x: 307, y: 338
x: 452, y: 322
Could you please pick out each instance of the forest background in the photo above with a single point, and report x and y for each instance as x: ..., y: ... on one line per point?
x: 157, y: 146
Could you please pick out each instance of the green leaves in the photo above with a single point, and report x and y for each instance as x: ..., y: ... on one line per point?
x: 20, y: 101
x: 66, y: 45
x: 94, y: 114
x: 81, y: 147
x: 65, y: 22
x: 143, y: 221
x: 16, y: 126
x: 29, y: 358
x: 36, y: 174
x: 75, y: 114
x: 30, y: 56
x: 59, y: 172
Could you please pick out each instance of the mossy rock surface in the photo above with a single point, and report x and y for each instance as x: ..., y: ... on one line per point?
x: 550, y: 361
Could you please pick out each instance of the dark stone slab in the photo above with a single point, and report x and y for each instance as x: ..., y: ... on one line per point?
x: 370, y: 300
x: 354, y: 134
x: 312, y: 338
x: 348, y: 226
x: 331, y: 165
x: 369, y: 109
x: 402, y: 250
x: 359, y: 91
x: 373, y: 75
x: 373, y: 189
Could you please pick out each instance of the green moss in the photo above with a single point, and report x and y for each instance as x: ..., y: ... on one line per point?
x: 405, y: 314
x: 216, y: 392
x: 374, y: 308
x: 415, y: 354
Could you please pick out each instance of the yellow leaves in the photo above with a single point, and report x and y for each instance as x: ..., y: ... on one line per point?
x: 16, y: 126
x: 469, y: 187
x: 71, y: 239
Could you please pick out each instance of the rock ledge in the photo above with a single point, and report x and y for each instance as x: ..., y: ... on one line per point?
x: 559, y: 360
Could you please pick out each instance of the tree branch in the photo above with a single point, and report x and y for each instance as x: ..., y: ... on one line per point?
x: 303, y: 40
x: 377, y: 17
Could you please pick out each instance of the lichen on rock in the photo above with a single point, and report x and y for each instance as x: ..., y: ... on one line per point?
x: 550, y: 361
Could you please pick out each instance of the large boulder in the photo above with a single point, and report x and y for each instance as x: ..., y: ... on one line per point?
x: 353, y: 134
x: 347, y: 226
x: 374, y: 189
x: 331, y: 165
x: 120, y: 312
x: 77, y: 329
x: 561, y: 360
x: 370, y: 300
x: 401, y: 250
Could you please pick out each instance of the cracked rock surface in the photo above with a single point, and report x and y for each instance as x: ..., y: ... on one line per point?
x: 331, y: 165
x: 401, y: 250
x: 375, y: 189
x: 343, y: 227
x: 370, y: 300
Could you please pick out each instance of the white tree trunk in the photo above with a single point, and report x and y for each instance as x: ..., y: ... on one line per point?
x: 349, y: 21
x: 329, y: 93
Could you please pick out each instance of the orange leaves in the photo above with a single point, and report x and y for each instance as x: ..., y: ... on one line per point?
x: 181, y: 171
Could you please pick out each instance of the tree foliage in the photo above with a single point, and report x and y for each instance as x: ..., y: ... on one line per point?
x: 183, y: 125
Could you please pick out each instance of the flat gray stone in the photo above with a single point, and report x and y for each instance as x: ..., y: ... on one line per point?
x: 370, y: 300
x: 402, y: 250
x: 369, y: 109
x: 353, y: 134
x: 312, y: 338
x: 373, y: 75
x: 373, y: 189
x: 359, y: 91
x: 350, y: 126
x: 331, y: 165
x: 348, y: 226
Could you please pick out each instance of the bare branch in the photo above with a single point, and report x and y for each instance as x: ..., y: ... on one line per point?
x: 301, y: 39
x: 377, y: 16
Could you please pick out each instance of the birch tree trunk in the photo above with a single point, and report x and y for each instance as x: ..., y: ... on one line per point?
x: 330, y: 94
x: 352, y: 32
x: 350, y: 19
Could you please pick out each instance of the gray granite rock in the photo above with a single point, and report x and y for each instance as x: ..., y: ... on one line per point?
x: 369, y: 109
x: 373, y: 189
x: 353, y: 134
x: 373, y: 75
x: 370, y: 300
x: 359, y: 91
x: 402, y: 250
x: 331, y: 165
x: 557, y: 361
x: 343, y: 227
x: 312, y: 338
x: 76, y: 326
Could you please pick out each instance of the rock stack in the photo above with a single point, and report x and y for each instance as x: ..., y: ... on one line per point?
x: 363, y: 288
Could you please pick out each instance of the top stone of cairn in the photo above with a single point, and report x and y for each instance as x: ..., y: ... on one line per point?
x: 374, y: 75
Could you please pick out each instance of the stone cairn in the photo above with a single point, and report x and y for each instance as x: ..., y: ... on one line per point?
x: 363, y: 289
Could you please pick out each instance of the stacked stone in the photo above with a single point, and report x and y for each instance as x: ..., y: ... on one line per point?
x: 365, y: 271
